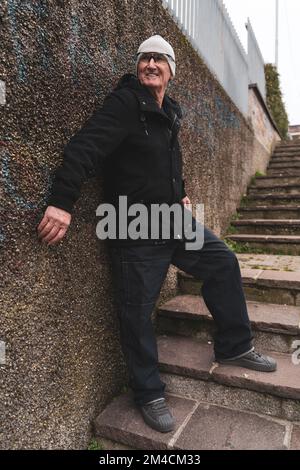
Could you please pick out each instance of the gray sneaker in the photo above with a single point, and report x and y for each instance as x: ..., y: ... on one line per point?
x: 252, y: 360
x: 157, y: 415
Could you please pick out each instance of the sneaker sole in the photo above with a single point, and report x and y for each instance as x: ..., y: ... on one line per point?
x: 249, y: 365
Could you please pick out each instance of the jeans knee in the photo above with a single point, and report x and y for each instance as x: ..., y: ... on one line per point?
x: 231, y: 259
x: 228, y: 263
x: 232, y: 256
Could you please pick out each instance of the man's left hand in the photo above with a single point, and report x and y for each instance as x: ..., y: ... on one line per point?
x: 186, y: 200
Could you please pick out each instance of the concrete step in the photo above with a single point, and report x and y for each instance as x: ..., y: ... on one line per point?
x: 269, y: 262
x: 287, y: 150
x: 283, y: 172
x: 271, y: 199
x: 269, y: 212
x: 286, y: 154
x: 293, y: 152
x: 289, y: 154
x: 192, y: 358
x: 187, y: 367
x: 198, y: 425
x: 284, y: 159
x: 288, y: 144
x: 278, y: 244
x: 279, y: 159
x: 275, y: 326
x: 275, y: 188
x: 267, y: 226
x: 269, y: 181
x: 259, y: 285
x: 285, y: 165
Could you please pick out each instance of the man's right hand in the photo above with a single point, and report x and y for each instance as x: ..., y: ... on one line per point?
x: 53, y: 225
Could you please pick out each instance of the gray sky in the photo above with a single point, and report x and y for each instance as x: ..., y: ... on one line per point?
x: 262, y: 18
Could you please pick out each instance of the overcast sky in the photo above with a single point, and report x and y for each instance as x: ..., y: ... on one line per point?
x: 262, y: 18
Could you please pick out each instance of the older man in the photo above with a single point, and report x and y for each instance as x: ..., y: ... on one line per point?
x: 134, y: 137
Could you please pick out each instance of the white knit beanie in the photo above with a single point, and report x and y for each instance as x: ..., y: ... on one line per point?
x: 158, y: 44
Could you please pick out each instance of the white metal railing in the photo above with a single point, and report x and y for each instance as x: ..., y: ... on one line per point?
x: 256, y: 64
x: 207, y: 25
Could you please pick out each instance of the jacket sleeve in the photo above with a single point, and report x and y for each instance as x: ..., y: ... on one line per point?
x: 102, y: 133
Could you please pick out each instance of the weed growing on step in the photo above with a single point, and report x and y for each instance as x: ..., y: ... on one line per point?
x: 265, y: 268
x: 231, y: 229
x: 242, y: 247
x: 257, y: 174
x: 95, y: 445
x: 236, y: 216
x: 244, y: 201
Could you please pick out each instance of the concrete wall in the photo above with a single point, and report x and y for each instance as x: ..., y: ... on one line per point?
x: 58, y: 60
x: 265, y: 134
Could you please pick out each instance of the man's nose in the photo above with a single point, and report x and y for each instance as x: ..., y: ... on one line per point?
x: 151, y: 63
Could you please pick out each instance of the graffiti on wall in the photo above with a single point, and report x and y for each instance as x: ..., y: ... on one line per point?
x: 40, y: 10
x: 203, y: 118
x: 77, y: 50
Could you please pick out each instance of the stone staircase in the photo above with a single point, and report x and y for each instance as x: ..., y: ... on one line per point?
x: 269, y: 218
x: 226, y: 407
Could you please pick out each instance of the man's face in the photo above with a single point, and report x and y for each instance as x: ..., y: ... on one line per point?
x: 154, y: 71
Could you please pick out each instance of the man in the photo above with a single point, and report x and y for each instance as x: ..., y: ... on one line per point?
x: 134, y: 136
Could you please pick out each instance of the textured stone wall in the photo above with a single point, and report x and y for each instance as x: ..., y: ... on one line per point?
x: 58, y: 60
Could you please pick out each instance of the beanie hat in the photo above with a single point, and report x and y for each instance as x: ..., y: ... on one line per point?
x: 158, y: 44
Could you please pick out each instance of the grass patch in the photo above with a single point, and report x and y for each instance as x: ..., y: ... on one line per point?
x: 236, y: 216
x: 243, y: 247
x: 244, y: 201
x: 95, y: 445
x: 265, y: 268
x: 253, y: 178
x: 231, y: 229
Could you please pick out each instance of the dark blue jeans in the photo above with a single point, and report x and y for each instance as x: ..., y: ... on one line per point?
x: 138, y: 274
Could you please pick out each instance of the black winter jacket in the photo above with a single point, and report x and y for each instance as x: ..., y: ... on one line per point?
x: 134, y: 142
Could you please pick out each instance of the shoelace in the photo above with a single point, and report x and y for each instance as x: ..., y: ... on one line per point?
x: 256, y: 354
x: 159, y: 406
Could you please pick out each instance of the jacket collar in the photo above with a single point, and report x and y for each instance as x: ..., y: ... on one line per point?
x: 170, y: 109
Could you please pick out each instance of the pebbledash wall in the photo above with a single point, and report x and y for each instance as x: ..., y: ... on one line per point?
x: 63, y: 362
